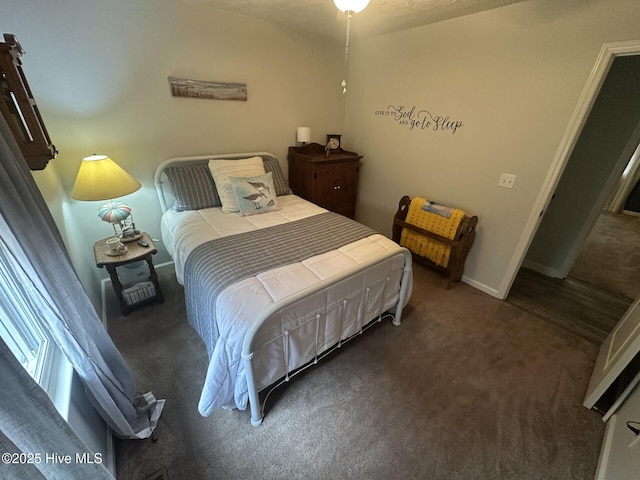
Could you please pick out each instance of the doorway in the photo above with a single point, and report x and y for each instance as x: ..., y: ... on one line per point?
x: 590, y: 301
x: 605, y: 140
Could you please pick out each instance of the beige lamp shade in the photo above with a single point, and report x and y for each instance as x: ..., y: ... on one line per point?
x: 303, y: 134
x: 100, y: 178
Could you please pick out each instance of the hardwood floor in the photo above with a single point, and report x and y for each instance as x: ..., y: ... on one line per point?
x: 576, y: 306
x: 600, y: 287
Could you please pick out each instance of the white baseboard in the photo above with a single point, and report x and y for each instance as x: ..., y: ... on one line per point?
x: 165, y: 264
x: 481, y: 286
x: 543, y: 269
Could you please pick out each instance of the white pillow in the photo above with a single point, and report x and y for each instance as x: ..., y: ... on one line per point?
x: 223, y: 170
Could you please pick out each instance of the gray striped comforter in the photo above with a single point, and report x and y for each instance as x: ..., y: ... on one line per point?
x: 219, y: 263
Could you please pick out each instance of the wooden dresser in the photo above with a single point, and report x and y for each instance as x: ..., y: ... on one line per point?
x: 330, y: 181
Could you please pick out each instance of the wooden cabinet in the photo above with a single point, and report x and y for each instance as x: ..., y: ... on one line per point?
x: 330, y: 181
x: 19, y: 108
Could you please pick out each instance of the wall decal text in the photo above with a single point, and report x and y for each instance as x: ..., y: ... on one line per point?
x: 417, y: 120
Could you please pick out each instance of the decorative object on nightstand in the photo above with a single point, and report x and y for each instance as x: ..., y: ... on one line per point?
x: 100, y: 178
x: 119, y: 216
x: 328, y: 180
x: 332, y: 144
x: 140, y: 293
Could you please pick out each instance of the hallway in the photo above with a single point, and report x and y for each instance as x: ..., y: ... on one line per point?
x: 599, y: 288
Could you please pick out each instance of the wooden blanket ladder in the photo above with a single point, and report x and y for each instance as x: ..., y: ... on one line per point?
x: 460, y: 244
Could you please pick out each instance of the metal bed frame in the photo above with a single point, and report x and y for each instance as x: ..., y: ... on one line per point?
x: 249, y: 344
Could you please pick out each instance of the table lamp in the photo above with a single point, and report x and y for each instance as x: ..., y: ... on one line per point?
x: 100, y: 178
x: 303, y: 135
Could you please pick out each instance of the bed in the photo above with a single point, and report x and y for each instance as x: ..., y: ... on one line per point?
x: 272, y: 282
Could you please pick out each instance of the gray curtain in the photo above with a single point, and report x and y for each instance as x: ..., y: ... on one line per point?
x: 33, y: 430
x: 31, y: 240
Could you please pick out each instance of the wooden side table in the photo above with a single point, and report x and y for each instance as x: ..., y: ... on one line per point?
x: 135, y: 253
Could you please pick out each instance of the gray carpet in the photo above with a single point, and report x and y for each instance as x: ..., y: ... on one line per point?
x: 610, y: 257
x: 468, y: 387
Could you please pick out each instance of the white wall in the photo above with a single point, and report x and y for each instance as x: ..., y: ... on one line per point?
x: 98, y: 70
x: 513, y: 76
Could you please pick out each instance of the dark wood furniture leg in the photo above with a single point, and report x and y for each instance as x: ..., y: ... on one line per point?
x: 117, y: 287
x: 153, y: 276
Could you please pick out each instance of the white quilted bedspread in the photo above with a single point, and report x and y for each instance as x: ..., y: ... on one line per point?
x: 184, y: 231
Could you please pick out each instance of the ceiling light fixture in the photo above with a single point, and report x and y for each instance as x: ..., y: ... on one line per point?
x: 349, y: 7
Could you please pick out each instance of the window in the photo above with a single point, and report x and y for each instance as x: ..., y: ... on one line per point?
x: 20, y: 326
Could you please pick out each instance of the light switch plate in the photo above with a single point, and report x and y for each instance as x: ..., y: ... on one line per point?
x: 507, y: 180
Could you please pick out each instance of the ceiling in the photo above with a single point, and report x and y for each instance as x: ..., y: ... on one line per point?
x: 321, y: 17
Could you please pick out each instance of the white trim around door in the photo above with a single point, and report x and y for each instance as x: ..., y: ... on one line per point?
x: 598, y: 74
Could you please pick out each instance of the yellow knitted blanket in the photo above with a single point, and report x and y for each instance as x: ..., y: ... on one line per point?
x: 424, y: 246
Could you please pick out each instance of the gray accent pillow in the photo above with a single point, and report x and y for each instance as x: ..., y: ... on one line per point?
x: 272, y: 165
x: 255, y: 194
x: 192, y: 187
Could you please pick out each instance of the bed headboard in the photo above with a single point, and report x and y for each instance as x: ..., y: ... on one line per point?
x: 161, y: 182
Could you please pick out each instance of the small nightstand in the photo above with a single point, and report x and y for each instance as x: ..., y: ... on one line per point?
x: 132, y: 297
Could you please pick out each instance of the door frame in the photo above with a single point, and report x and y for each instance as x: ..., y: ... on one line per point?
x: 608, y: 53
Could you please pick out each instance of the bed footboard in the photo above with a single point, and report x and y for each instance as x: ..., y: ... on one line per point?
x: 342, y: 308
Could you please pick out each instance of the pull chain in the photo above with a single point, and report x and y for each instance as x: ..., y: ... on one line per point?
x: 346, y: 53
